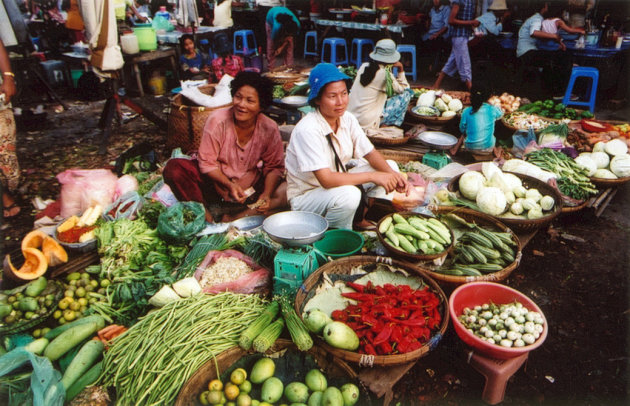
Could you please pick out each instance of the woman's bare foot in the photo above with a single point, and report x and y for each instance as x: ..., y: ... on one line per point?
x: 11, y: 208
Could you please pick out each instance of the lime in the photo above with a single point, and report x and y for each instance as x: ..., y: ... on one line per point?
x: 63, y: 304
x: 203, y: 398
x: 57, y: 314
x: 238, y: 376
x: 243, y: 400
x: 61, y: 321
x: 75, y: 306
x: 80, y: 292
x: 245, y: 387
x: 69, y: 293
x: 214, y: 397
x: 37, y: 333
x: 83, y: 301
x: 231, y: 391
x: 69, y: 315
x: 215, y: 384
x: 105, y: 283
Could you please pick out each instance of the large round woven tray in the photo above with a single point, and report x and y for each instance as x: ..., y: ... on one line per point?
x: 430, y: 120
x: 285, y: 77
x: 390, y: 141
x: 185, y: 121
x: 344, y: 266
x: 400, y: 253
x: 606, y: 183
x: 526, y: 225
x: 400, y: 156
x: 572, y: 209
x: 189, y: 394
x: 486, y: 221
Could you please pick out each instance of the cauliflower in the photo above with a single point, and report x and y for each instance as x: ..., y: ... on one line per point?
x: 547, y: 202
x: 491, y: 200
x: 586, y: 162
x: 455, y: 105
x: 470, y: 183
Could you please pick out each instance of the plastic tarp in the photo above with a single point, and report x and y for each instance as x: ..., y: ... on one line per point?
x: 45, y: 380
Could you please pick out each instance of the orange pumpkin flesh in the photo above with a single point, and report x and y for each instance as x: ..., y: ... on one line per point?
x: 54, y: 253
x: 34, y: 266
x: 34, y: 239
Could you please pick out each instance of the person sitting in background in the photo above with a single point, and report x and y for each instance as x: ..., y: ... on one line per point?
x: 226, y: 63
x: 240, y: 158
x: 375, y: 83
x: 553, y: 21
x: 555, y: 63
x: 321, y: 147
x: 477, y: 122
x: 434, y: 40
x: 193, y: 63
x: 484, y: 43
x: 282, y: 26
x: 223, y: 14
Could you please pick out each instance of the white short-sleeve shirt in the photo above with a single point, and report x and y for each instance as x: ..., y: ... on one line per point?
x: 309, y: 149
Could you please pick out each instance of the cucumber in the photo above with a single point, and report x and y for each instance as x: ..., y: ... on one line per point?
x: 445, y: 235
x: 468, y: 271
x: 37, y: 346
x: 398, y: 219
x: 508, y: 257
x: 419, y: 224
x: 454, y: 272
x: 68, y: 339
x: 406, y: 245
x: 87, y: 356
x: 492, y: 236
x: 466, y: 256
x: 439, y: 224
x: 391, y: 234
x: 436, y: 236
x: 422, y: 246
x: 408, y: 229
x: 486, y: 268
x: 89, y: 378
x: 385, y: 224
x: 100, y: 321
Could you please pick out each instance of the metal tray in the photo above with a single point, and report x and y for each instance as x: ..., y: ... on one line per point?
x: 437, y: 139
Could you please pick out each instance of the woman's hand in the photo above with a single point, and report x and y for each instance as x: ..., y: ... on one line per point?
x: 8, y: 88
x: 398, y: 65
x: 194, y: 70
x: 263, y: 202
x: 390, y: 181
x: 237, y: 193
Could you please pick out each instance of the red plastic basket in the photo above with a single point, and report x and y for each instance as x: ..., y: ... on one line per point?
x: 478, y: 293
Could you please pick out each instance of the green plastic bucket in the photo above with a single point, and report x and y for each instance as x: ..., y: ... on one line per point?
x: 147, y: 39
x: 339, y: 243
x: 76, y: 74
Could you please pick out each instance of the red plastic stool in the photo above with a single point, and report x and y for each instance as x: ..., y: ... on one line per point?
x: 497, y: 373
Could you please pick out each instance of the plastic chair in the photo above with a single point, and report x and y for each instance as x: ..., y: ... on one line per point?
x: 244, y: 42
x: 335, y: 51
x: 591, y: 92
x: 359, y: 50
x: 310, y: 44
x: 411, y: 50
x: 497, y: 372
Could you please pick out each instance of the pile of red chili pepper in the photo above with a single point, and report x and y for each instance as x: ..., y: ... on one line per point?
x: 72, y: 235
x: 390, y: 319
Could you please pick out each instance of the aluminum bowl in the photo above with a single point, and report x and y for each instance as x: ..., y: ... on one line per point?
x: 295, y: 228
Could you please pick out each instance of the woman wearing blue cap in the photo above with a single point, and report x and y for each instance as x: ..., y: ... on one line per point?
x: 322, y: 145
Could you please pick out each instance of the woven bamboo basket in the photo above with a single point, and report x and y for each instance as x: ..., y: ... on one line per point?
x: 390, y: 141
x: 186, y: 122
x: 400, y: 253
x: 429, y: 120
x: 519, y: 225
x: 572, y: 209
x: 513, y: 128
x: 559, y: 120
x: 486, y: 221
x: 606, y: 183
x: 400, y: 156
x: 198, y: 382
x: 344, y: 266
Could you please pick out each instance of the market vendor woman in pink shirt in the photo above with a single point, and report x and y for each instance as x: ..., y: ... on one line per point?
x: 240, y: 148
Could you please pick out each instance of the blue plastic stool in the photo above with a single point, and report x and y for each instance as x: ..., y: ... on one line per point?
x: 360, y: 49
x: 335, y: 51
x: 244, y: 43
x: 591, y: 93
x: 411, y: 50
x: 310, y: 44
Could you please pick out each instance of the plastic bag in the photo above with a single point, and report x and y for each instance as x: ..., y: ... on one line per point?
x: 521, y: 139
x: 45, y: 380
x: 126, y: 206
x: 248, y: 283
x: 82, y: 188
x: 180, y: 222
x: 161, y: 23
x: 125, y: 184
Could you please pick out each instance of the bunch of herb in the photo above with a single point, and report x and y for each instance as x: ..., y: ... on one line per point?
x: 150, y: 212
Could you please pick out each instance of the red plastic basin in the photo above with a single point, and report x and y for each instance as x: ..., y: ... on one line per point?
x: 478, y: 293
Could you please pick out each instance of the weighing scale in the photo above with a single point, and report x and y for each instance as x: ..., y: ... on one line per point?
x: 438, y: 142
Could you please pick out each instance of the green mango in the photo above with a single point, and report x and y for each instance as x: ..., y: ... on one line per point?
x: 34, y: 288
x: 263, y: 369
x: 271, y: 390
x: 332, y: 397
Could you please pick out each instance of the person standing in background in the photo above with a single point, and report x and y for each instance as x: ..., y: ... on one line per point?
x: 462, y: 21
x: 281, y: 26
x: 9, y: 166
x: 223, y: 14
x: 74, y: 22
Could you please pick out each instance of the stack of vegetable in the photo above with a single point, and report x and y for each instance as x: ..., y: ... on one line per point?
x: 446, y: 105
x: 592, y: 132
x: 506, y: 102
x: 268, y: 388
x: 609, y: 160
x: 415, y: 234
x: 479, y: 251
x: 80, y: 229
x: 572, y: 178
x: 500, y: 193
x: 550, y: 109
x: 151, y: 361
x: 381, y: 320
x: 264, y: 331
x: 523, y: 121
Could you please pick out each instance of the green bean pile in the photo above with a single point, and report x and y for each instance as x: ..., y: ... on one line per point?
x: 150, y: 362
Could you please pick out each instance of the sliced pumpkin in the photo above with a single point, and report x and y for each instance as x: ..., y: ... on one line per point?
x: 35, y: 265
x: 34, y: 239
x: 54, y: 253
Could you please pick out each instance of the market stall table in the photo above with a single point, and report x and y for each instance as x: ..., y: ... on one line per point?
x: 161, y: 53
x: 326, y: 25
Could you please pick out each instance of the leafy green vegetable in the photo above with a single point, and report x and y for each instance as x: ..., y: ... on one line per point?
x: 278, y: 92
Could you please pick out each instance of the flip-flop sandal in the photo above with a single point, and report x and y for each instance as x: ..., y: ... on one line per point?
x: 9, y: 209
x: 371, y: 227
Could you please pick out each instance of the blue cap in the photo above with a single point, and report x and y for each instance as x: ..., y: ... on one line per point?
x: 321, y: 75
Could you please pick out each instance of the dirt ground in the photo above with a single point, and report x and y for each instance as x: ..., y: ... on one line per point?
x: 577, y: 272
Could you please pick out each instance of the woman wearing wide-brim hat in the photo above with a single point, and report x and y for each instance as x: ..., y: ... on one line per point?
x: 375, y: 83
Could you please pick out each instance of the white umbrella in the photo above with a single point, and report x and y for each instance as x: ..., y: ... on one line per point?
x: 101, y: 33
x: 187, y: 14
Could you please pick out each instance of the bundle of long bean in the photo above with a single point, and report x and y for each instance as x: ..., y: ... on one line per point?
x: 573, y: 180
x: 150, y: 362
